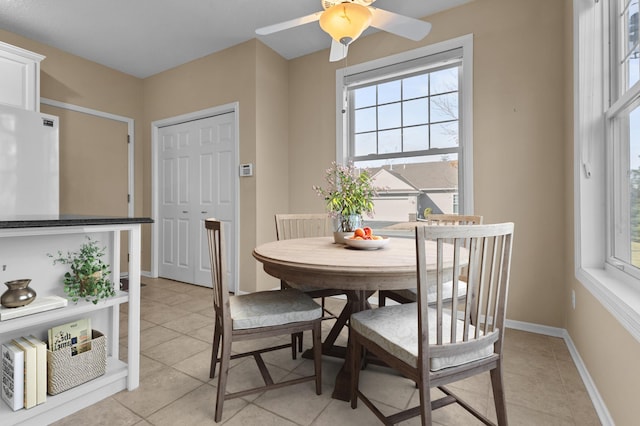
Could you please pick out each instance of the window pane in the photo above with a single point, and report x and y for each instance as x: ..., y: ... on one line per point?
x: 389, y: 116
x: 634, y: 185
x: 399, y: 134
x: 415, y: 138
x: 444, y: 81
x: 390, y: 141
x: 365, y: 120
x: 444, y: 135
x: 364, y: 97
x: 631, y: 51
x: 415, y: 112
x: 415, y: 87
x: 389, y: 92
x: 365, y: 143
x: 417, y: 185
x: 444, y: 107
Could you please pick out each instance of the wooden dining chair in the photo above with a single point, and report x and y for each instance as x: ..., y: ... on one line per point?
x: 409, y: 295
x: 429, y: 343
x: 307, y: 225
x: 255, y: 316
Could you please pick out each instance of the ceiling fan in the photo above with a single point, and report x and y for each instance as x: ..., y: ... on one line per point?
x: 345, y: 20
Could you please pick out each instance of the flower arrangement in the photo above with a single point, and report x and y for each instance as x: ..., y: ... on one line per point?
x: 349, y: 192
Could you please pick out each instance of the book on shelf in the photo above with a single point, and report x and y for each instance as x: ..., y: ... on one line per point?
x: 41, y: 367
x: 40, y: 304
x: 75, y: 335
x: 13, y: 376
x: 30, y: 382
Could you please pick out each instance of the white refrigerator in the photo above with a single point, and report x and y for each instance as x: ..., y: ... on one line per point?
x: 29, y: 163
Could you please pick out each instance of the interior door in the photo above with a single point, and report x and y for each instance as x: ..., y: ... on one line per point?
x: 197, y: 180
x: 94, y: 167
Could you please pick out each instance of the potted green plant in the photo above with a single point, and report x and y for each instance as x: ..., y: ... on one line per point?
x: 349, y: 194
x: 89, y: 275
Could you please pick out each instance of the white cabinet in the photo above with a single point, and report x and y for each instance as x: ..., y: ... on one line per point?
x: 24, y: 253
x: 19, y: 77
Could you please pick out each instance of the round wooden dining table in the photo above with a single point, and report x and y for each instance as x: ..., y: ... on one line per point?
x: 319, y: 262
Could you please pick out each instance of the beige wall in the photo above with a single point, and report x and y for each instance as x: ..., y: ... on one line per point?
x: 523, y: 150
x: 272, y: 143
x: 255, y: 77
x: 70, y: 79
x: 518, y: 139
x: 225, y: 77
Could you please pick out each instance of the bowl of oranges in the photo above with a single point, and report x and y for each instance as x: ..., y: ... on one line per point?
x: 363, y: 239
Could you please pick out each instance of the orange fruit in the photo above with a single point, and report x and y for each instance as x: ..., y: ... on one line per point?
x: 359, y: 233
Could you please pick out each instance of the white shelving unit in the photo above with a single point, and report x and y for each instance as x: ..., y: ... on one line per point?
x: 24, y: 254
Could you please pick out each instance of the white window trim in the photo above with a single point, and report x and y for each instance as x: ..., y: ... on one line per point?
x: 618, y: 292
x: 466, y: 111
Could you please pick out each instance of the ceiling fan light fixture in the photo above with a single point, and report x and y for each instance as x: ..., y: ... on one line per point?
x: 345, y: 22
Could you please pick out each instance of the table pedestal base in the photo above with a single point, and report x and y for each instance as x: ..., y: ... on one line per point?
x: 356, y: 302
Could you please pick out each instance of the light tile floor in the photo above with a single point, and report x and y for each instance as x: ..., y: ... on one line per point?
x: 542, y: 383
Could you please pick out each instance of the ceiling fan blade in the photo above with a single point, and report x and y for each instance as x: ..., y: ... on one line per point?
x: 270, y: 29
x: 338, y: 51
x: 401, y: 25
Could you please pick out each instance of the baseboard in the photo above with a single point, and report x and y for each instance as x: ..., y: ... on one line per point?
x: 536, y: 328
x: 592, y: 390
x: 142, y: 274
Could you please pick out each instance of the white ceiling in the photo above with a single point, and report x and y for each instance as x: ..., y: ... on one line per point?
x: 145, y: 37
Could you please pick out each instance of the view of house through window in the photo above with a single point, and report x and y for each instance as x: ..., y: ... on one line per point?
x: 406, y: 131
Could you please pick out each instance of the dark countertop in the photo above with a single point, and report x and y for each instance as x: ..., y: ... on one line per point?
x: 41, y: 221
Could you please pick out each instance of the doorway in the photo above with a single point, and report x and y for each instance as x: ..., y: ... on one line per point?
x: 96, y: 164
x: 195, y: 160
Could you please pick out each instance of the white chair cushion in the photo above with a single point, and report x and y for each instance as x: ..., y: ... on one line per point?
x: 447, y: 290
x: 395, y: 329
x: 268, y: 308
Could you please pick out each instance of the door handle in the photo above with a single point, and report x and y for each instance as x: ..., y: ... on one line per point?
x: 185, y: 211
x: 204, y: 212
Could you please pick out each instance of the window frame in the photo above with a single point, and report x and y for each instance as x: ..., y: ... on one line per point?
x: 602, y: 275
x: 465, y: 156
x: 622, y: 101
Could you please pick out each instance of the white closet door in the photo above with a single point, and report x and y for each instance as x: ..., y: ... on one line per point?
x: 197, y: 181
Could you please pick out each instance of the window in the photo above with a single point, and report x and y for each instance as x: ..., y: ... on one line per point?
x: 407, y: 119
x: 607, y: 163
x: 623, y: 121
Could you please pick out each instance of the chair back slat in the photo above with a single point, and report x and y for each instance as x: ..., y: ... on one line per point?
x: 451, y: 219
x: 289, y: 226
x: 217, y: 257
x: 439, y: 283
x: 494, y: 281
x: 485, y: 251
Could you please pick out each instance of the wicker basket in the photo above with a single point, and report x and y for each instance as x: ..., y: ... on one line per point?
x: 65, y: 371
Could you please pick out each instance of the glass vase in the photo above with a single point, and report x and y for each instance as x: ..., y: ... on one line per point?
x: 344, y: 227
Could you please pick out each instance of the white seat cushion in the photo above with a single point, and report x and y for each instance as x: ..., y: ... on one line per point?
x: 447, y: 291
x: 395, y: 329
x: 268, y: 308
